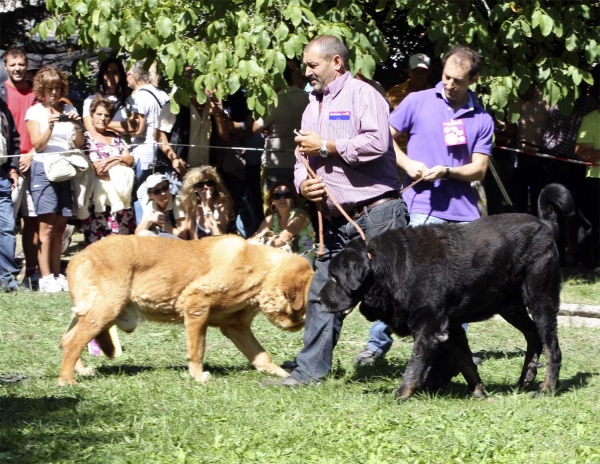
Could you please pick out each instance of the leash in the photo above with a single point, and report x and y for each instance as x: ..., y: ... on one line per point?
x: 313, y: 175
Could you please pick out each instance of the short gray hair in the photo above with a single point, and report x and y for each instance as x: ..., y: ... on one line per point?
x: 144, y: 75
x: 329, y: 47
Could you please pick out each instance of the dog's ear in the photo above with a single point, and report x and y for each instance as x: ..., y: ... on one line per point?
x: 296, y: 283
x: 353, y: 267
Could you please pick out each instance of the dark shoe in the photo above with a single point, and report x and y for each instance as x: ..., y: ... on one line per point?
x: 367, y: 357
x: 287, y: 382
x: 289, y: 366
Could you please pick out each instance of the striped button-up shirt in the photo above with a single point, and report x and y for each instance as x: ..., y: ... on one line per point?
x: 355, y: 116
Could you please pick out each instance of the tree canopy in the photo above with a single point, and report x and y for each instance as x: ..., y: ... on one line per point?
x: 232, y: 44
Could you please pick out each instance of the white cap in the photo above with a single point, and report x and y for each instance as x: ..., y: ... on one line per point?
x: 419, y: 61
x: 155, y: 179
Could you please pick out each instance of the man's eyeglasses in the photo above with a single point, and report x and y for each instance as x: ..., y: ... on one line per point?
x: 158, y: 191
x: 208, y: 183
x: 279, y: 196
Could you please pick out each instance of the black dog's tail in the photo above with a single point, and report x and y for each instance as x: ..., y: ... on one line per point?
x: 554, y: 199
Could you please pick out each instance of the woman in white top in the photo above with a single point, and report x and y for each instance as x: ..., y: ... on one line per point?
x: 148, y: 102
x: 207, y: 204
x: 112, y: 83
x: 50, y: 123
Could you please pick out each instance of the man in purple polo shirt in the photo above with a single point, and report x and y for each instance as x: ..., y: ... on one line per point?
x: 346, y: 138
x: 450, y: 141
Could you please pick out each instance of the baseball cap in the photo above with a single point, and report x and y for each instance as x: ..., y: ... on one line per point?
x: 155, y: 179
x: 419, y: 61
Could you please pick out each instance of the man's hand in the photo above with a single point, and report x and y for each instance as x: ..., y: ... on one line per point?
x: 180, y: 166
x: 309, y: 143
x: 435, y: 173
x: 415, y: 169
x: 313, y: 189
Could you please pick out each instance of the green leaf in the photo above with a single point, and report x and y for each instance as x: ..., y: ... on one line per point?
x: 164, y: 26
x: 240, y: 47
x: 220, y: 62
x: 243, y: 69
x: 268, y: 59
x: 280, y: 61
x: 546, y: 25
x: 132, y: 28
x: 295, y: 15
x: 149, y: 40
x: 367, y: 66
x: 572, y: 42
x: 281, y: 32
x: 42, y: 30
x: 81, y: 8
x: 104, y: 36
x: 577, y: 76
x: 234, y: 83
x: 96, y: 18
x: 262, y: 40
x: 535, y: 18
x: 171, y: 68
x: 253, y: 68
x: 174, y: 106
x: 591, y: 50
x: 290, y: 46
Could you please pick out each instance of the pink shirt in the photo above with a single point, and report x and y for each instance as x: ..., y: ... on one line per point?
x: 355, y: 116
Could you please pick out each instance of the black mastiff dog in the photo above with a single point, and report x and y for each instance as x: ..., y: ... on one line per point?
x: 426, y: 281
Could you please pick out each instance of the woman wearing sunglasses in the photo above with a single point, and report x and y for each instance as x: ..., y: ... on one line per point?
x: 163, y: 213
x: 288, y: 222
x: 207, y: 203
x: 110, y: 208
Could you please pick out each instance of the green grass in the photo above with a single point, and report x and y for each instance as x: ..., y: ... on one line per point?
x: 143, y: 407
x: 581, y: 288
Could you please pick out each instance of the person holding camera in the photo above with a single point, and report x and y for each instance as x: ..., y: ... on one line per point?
x: 163, y: 213
x: 54, y: 127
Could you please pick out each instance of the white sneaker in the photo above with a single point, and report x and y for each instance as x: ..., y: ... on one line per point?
x: 49, y: 284
x: 62, y: 281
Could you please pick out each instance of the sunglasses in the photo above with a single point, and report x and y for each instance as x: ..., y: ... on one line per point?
x: 158, y: 191
x: 208, y: 183
x: 279, y: 196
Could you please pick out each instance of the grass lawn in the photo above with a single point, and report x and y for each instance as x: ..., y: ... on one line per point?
x: 143, y: 407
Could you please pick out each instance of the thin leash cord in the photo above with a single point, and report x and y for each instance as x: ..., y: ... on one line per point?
x: 312, y: 174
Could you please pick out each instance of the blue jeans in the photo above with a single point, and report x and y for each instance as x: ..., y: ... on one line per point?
x: 8, y: 241
x: 380, y: 335
x: 140, y: 176
x: 323, y: 329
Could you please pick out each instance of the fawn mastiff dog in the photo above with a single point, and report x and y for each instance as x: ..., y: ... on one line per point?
x: 216, y: 281
x: 428, y: 280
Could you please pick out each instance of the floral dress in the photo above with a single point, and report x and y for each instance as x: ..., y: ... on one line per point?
x: 101, y: 224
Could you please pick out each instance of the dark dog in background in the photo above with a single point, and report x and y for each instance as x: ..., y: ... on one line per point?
x: 428, y: 280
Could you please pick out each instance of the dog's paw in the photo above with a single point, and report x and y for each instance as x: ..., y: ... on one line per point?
x: 203, y: 378
x: 64, y: 382
x: 87, y: 372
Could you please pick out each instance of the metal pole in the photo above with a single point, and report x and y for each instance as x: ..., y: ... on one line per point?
x: 499, y: 182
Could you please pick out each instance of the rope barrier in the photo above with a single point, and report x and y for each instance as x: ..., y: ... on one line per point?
x: 546, y: 155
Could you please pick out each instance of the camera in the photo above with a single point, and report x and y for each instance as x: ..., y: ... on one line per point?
x: 63, y: 118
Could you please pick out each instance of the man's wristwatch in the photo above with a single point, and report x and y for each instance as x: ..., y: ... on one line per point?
x: 323, y: 151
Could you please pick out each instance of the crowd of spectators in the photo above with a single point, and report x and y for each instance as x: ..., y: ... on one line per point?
x: 203, y: 172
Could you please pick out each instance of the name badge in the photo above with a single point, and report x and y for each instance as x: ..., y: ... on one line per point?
x: 454, y: 133
x: 339, y: 115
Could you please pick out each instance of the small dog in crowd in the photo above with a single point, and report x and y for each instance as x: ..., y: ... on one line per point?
x: 426, y: 281
x: 217, y: 281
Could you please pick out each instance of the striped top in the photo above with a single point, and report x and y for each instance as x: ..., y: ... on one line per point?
x: 355, y: 116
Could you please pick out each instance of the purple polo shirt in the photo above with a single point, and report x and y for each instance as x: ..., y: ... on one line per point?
x: 422, y: 116
x: 355, y: 116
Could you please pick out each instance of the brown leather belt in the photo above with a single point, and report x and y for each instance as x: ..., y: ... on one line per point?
x: 368, y: 205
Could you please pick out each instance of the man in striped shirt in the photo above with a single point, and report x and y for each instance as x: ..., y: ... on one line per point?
x: 346, y: 138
